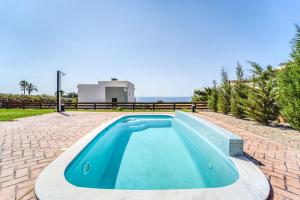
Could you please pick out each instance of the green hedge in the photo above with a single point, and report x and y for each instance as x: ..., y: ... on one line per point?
x: 16, y: 98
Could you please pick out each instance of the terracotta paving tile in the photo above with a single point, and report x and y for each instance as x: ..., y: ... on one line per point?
x: 293, y: 190
x: 21, y: 172
x: 278, y: 197
x: 277, y: 182
x: 14, y: 181
x: 294, y: 182
x: 7, y: 193
x: 285, y: 193
x: 26, y: 165
x: 27, y: 183
x: 6, y: 172
x: 22, y: 192
x: 6, y: 178
x: 35, y: 173
x: 273, y: 174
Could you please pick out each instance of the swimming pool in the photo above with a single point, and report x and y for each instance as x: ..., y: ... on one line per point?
x: 153, y: 155
x: 150, y: 152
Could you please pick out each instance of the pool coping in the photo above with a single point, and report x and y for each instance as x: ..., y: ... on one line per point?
x: 51, y: 183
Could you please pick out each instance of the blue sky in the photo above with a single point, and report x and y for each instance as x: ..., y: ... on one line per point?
x: 166, y: 48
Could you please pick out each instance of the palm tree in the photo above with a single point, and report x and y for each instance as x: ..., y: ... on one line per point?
x: 30, y: 88
x: 23, y: 85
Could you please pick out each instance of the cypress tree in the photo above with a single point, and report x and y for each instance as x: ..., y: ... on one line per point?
x: 289, y: 86
x: 224, y: 93
x: 261, y: 105
x: 213, y: 97
x: 239, y: 93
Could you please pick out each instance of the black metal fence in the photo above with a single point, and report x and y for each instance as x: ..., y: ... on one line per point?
x: 110, y: 105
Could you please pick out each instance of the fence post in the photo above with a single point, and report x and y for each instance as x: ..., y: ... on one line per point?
x: 133, y: 106
x: 153, y: 106
x: 94, y: 106
x: 174, y: 106
x: 76, y: 106
x: 23, y: 105
x: 7, y: 105
x: 40, y: 105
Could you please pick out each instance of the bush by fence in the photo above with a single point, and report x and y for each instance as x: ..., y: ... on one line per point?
x: 33, y: 99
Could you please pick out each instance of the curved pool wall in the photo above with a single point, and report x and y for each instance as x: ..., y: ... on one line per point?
x: 157, y: 152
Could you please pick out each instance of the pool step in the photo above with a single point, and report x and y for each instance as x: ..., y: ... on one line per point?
x: 137, y: 127
x: 134, y: 122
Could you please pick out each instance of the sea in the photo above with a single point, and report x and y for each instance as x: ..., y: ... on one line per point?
x: 164, y: 99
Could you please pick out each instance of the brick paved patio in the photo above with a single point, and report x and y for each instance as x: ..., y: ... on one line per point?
x: 278, y: 162
x: 29, y: 145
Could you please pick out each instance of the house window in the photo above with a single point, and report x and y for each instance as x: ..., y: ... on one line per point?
x: 114, y: 99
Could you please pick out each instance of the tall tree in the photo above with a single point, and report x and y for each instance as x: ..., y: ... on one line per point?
x: 239, y: 93
x: 224, y: 93
x: 30, y: 88
x: 213, y: 97
x: 289, y: 85
x: 261, y: 105
x: 23, y: 85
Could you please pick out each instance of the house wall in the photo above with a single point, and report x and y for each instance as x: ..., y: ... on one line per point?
x: 116, y: 92
x: 130, y: 91
x: 90, y: 93
x: 97, y: 92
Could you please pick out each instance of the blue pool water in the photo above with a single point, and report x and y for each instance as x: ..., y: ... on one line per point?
x: 150, y: 152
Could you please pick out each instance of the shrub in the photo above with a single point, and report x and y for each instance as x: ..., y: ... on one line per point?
x: 213, y: 97
x: 239, y: 93
x: 16, y: 99
x: 224, y: 93
x: 289, y: 86
x: 260, y: 104
x: 201, y: 95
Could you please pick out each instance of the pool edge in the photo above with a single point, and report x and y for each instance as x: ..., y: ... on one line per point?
x: 51, y: 183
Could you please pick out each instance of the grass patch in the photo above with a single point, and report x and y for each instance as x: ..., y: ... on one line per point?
x: 15, y: 113
x: 126, y: 110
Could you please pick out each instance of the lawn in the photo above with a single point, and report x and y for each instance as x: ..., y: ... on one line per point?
x: 15, y: 113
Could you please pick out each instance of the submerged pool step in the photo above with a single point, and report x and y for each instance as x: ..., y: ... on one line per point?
x: 134, y: 123
x: 138, y: 127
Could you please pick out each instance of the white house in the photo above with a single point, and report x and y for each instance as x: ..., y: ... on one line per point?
x: 106, y: 91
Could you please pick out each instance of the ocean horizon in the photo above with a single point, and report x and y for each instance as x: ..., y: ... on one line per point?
x: 164, y: 99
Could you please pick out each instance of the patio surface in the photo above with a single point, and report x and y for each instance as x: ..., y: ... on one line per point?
x: 280, y: 163
x: 28, y: 145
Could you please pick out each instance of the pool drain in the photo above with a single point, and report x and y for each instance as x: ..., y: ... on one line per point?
x: 86, y: 167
